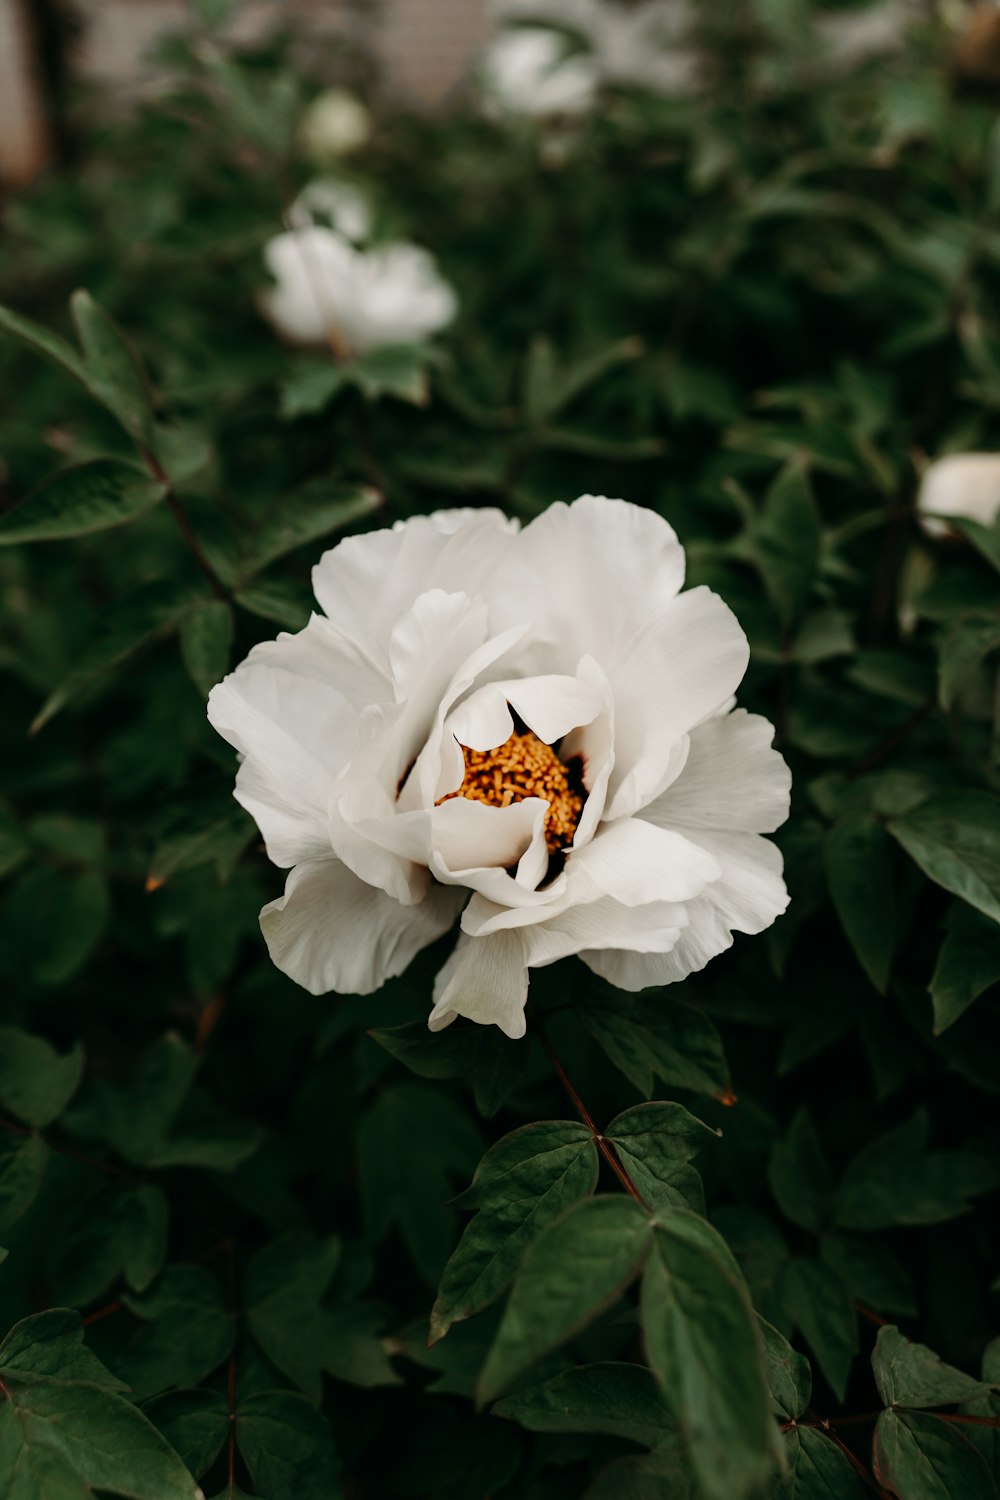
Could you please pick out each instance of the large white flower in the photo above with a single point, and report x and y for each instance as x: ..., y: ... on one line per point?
x: 646, y: 44
x: 530, y: 70
x: 326, y: 291
x: 531, y: 728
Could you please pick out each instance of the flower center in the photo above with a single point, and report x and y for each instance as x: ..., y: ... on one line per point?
x: 524, y: 767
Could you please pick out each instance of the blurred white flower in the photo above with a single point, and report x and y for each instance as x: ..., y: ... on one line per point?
x: 335, y: 124
x: 852, y: 37
x: 336, y: 205
x: 962, y: 484
x: 326, y: 291
x: 530, y: 70
x: 531, y: 728
x: 646, y: 45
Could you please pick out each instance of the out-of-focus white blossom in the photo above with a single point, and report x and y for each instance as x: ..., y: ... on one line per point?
x: 962, y: 484
x: 335, y: 125
x: 327, y: 291
x: 334, y: 205
x: 646, y: 45
x: 531, y: 70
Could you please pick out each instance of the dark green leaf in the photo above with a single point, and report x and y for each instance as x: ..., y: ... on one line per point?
x: 955, y: 839
x: 576, y: 1269
x: 307, y: 515
x: 113, y: 371
x: 194, y: 1423
x: 206, y: 641
x: 655, y: 1143
x: 90, y: 497
x: 910, y: 1374
x: 188, y: 1332
x: 656, y: 1036
x: 921, y: 1458
x: 704, y: 1347
x: 789, y: 1378
x: 858, y: 859
x: 23, y: 1160
x: 43, y: 341
x: 36, y: 1081
x: 895, y: 1180
x: 787, y: 541
x: 619, y: 1399
x: 968, y: 964
x: 819, y: 1302
x: 818, y: 1469
x: 965, y: 646
x: 524, y: 1181
x: 288, y: 1448
x: 480, y: 1056
x: 800, y: 1176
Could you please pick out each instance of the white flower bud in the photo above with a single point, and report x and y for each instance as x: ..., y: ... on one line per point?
x: 962, y: 484
x: 335, y: 124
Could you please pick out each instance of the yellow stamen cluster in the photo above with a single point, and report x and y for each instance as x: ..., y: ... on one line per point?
x: 523, y: 767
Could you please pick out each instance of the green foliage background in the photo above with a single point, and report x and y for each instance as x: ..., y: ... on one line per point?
x: 757, y: 310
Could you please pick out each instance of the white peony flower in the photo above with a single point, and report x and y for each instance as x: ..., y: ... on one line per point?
x: 646, y: 44
x: 328, y: 292
x: 531, y: 728
x: 962, y: 484
x: 335, y: 124
x: 335, y: 205
x: 529, y: 70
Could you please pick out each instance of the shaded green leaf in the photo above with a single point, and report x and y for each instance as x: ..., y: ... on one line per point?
x: 619, y: 1399
x: 36, y: 1081
x: 858, y: 859
x: 967, y: 964
x: 89, y: 497
x: 955, y: 839
x: 921, y: 1458
x: 656, y: 1143
x: 909, y: 1374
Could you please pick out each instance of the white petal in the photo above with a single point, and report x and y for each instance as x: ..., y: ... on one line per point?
x: 962, y: 484
x: 422, y: 634
x: 486, y: 979
x: 591, y: 573
x: 330, y: 931
x: 635, y: 863
x: 550, y: 706
x: 733, y: 778
x: 675, y: 671
x: 470, y: 836
x: 748, y: 898
x: 594, y: 744
x: 642, y: 929
x: 295, y: 731
x: 367, y: 582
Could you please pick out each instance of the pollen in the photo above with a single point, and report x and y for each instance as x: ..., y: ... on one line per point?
x: 524, y: 766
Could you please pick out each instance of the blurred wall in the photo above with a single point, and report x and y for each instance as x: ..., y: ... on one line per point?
x: 424, y: 47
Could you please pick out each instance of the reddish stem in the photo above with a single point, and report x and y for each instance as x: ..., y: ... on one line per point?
x: 604, y: 1146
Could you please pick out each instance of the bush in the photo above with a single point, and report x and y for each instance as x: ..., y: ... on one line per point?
x: 229, y: 1207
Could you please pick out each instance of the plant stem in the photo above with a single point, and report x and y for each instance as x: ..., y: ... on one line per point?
x: 604, y: 1146
x: 185, y: 528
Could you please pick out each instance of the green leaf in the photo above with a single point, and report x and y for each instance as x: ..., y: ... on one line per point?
x: 910, y: 1374
x: 219, y: 841
x: 895, y: 1180
x: 985, y: 539
x: 818, y: 1301
x: 36, y: 1081
x: 651, y: 1476
x: 206, y: 641
x: 480, y: 1056
x: 789, y: 1378
x: 413, y: 1141
x: 656, y: 1036
x: 307, y: 515
x: 43, y: 341
x: 23, y: 1159
x: 287, y: 1447
x: 120, y: 1232
x: 285, y: 1291
x: 278, y: 599
x: 621, y: 1400
x: 871, y: 1272
x: 955, y: 839
x: 65, y: 1431
x: 551, y: 386
x: 188, y: 1332
x: 656, y: 1143
x: 79, y: 903
x: 922, y: 1458
x: 194, y: 1423
x: 79, y: 501
x: 309, y: 388
x: 113, y: 370
x: 151, y: 610
x: 704, y: 1347
x: 527, y: 1179
x: 787, y: 539
x: 800, y: 1175
x: 968, y: 964
x: 577, y: 1268
x: 858, y: 859
x: 398, y: 370
x: 818, y: 1469
x: 963, y: 649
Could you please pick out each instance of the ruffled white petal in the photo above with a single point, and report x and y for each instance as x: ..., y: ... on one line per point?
x: 550, y: 706
x: 733, y: 778
x: 485, y: 979
x: 635, y: 863
x: 675, y: 671
x: 365, y: 583
x: 331, y: 931
x: 747, y: 898
x: 588, y: 576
